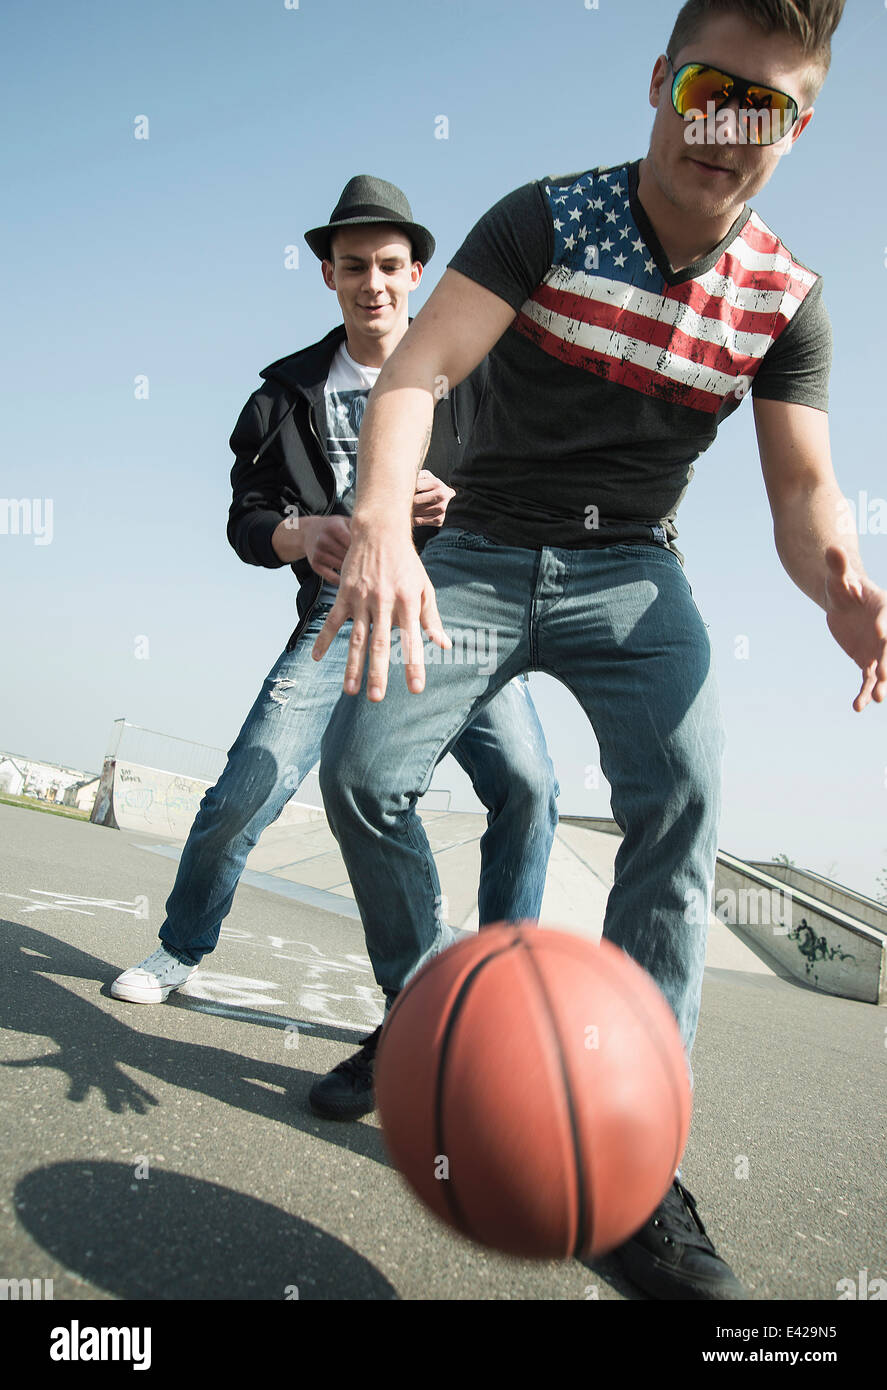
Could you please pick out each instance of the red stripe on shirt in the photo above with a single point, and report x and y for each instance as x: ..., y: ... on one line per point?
x: 619, y: 371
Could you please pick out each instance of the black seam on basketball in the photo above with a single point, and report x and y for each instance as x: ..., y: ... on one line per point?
x: 669, y: 1075
x: 456, y: 1213
x: 584, y: 1204
x: 654, y: 1033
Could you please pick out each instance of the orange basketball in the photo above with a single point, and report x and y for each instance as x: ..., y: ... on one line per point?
x: 533, y: 1091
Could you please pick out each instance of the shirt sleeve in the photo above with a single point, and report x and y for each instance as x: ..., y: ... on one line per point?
x: 797, y: 367
x: 257, y: 507
x: 510, y: 250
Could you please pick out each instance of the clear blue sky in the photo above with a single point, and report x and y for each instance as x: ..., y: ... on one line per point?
x: 165, y: 257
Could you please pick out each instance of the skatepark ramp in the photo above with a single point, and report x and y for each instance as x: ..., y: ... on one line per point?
x: 795, y: 922
x: 154, y: 783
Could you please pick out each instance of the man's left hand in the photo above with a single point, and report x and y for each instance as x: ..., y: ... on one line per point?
x: 431, y: 499
x: 856, y: 613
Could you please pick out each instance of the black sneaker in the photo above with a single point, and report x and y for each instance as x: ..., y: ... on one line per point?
x: 346, y: 1092
x: 671, y: 1257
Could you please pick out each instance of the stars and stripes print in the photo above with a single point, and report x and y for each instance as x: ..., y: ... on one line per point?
x: 605, y: 305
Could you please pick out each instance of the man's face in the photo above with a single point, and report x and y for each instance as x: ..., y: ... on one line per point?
x: 372, y: 273
x: 730, y: 43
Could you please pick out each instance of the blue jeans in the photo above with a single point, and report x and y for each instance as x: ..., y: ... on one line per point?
x: 503, y: 751
x: 619, y: 627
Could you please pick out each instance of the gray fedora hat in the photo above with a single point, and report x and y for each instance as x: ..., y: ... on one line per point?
x: 365, y: 200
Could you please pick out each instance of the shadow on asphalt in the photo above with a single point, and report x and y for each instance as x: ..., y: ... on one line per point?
x: 94, y: 1046
x: 168, y: 1236
x: 240, y: 1013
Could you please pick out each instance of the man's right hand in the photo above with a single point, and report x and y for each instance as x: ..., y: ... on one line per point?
x: 383, y: 585
x: 321, y: 540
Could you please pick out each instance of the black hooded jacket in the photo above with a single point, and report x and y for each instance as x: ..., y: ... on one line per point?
x: 281, y: 467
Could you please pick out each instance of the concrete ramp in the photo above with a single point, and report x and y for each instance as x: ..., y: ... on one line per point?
x: 156, y: 802
x: 161, y: 803
x: 303, y: 860
x: 826, y: 947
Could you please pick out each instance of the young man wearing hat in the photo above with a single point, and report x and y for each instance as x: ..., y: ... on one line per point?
x: 626, y: 312
x: 295, y: 445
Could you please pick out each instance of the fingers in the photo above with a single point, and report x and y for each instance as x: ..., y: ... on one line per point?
x: 360, y: 627
x: 380, y: 652
x: 430, y: 506
x: 334, y: 620
x: 341, y: 613
x: 413, y: 653
x: 331, y: 535
x: 874, y: 685
x: 339, y: 536
x: 426, y: 502
x: 327, y: 558
x: 429, y: 516
x: 374, y: 603
x: 328, y: 570
x: 431, y: 620
x: 865, y: 690
x: 370, y: 643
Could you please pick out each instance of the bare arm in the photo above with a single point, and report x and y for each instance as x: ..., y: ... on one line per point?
x: 816, y: 537
x: 383, y: 582
x: 446, y: 341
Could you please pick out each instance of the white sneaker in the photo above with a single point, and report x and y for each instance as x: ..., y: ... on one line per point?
x: 153, y: 980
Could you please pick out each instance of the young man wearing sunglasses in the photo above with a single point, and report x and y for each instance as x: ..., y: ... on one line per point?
x: 295, y: 447
x: 626, y: 312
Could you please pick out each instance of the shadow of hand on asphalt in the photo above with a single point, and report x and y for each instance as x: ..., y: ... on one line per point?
x: 171, y: 1235
x: 94, y: 1046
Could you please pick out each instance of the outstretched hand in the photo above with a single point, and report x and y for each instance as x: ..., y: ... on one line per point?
x: 856, y: 613
x: 383, y: 586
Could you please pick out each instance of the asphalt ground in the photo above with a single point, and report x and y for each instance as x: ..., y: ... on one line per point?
x: 167, y: 1152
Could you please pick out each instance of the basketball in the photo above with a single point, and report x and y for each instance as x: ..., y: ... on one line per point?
x: 533, y: 1091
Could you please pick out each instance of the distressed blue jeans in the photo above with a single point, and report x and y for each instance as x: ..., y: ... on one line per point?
x: 503, y: 752
x: 619, y: 627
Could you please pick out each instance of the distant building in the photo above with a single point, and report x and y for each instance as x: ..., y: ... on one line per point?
x: 12, y: 775
x: 82, y: 794
x: 47, y: 781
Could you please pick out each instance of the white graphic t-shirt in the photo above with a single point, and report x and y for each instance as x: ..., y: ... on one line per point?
x: 345, y: 395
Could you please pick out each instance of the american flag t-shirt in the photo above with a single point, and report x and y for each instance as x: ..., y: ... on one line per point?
x: 606, y: 305
x: 618, y: 370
